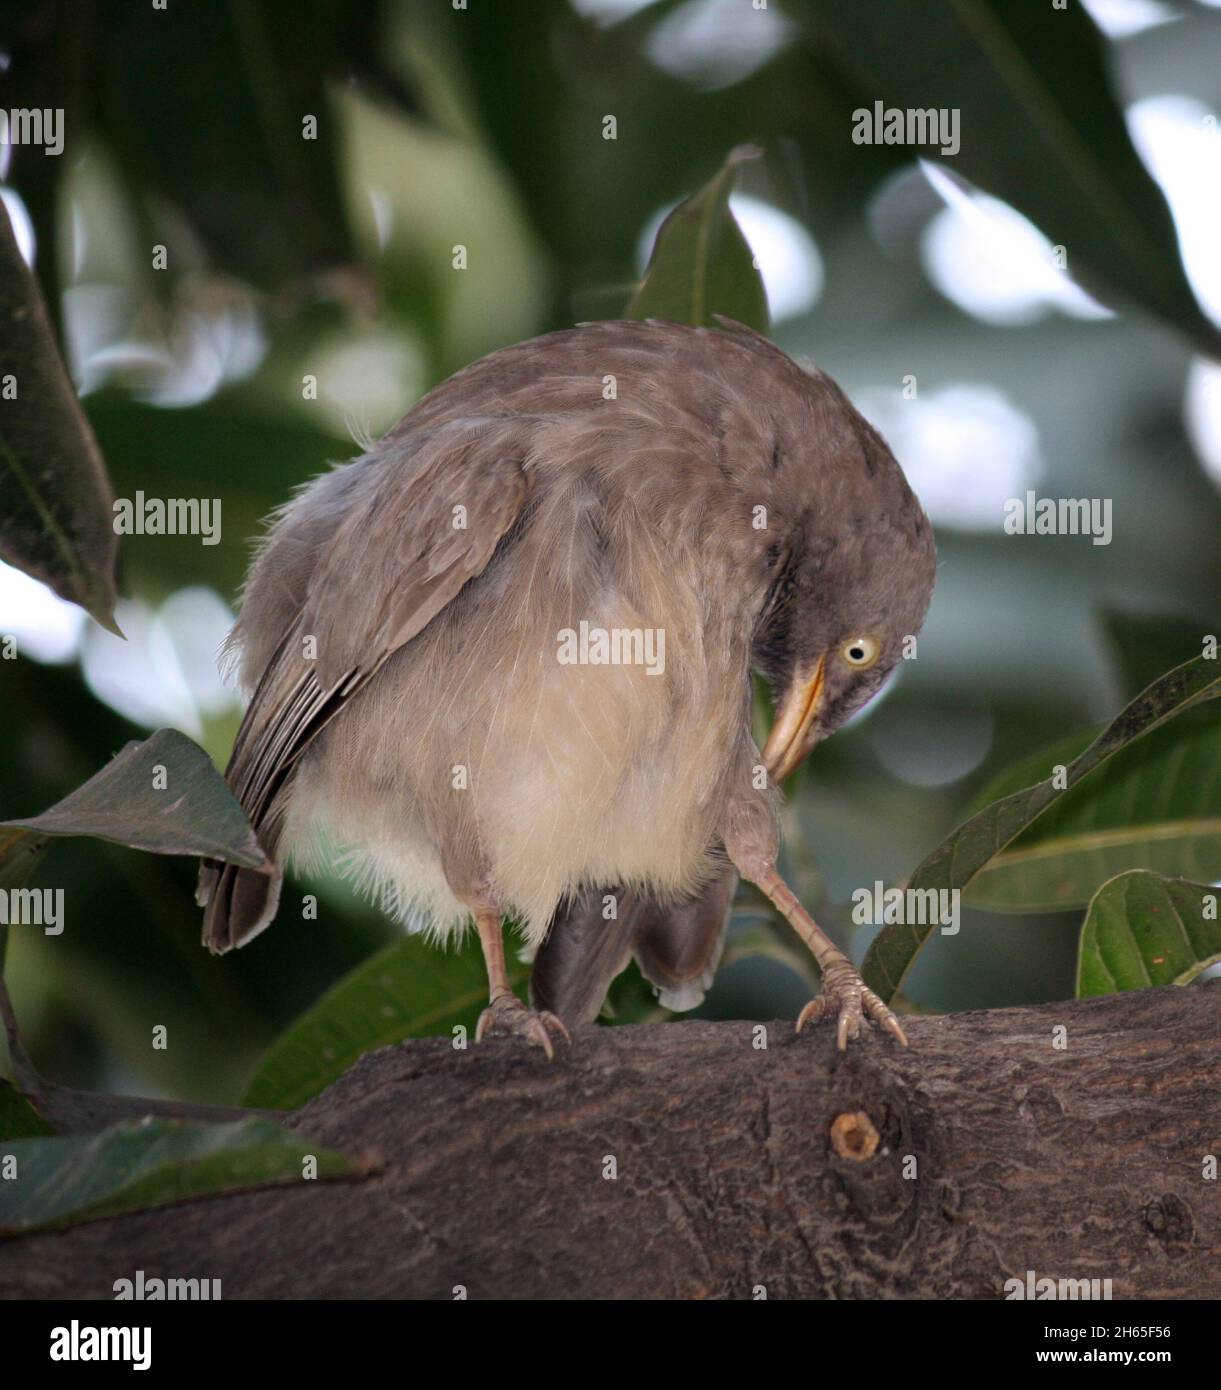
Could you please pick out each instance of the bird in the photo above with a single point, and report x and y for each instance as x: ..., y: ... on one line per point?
x: 501, y: 665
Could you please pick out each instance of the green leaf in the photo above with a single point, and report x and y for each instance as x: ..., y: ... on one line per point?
x: 1142, y: 929
x: 18, y: 1118
x: 974, y: 844
x: 1040, y: 127
x: 194, y: 813
x: 64, y: 1180
x: 701, y: 264
x: 1156, y: 805
x: 407, y: 990
x: 56, y: 520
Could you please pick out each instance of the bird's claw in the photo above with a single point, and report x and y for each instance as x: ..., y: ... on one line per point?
x: 847, y: 998
x: 507, y: 1015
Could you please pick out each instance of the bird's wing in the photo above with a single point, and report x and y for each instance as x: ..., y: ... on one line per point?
x: 677, y: 948
x: 397, y: 556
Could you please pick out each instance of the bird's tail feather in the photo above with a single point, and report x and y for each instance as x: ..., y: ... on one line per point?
x: 677, y: 948
x: 237, y: 902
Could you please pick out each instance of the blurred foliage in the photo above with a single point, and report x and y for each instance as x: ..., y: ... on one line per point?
x: 333, y: 259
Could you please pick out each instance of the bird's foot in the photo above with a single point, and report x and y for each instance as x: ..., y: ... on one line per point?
x: 507, y: 1015
x: 846, y: 997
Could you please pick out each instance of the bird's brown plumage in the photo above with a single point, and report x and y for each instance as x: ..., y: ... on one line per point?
x: 402, y: 626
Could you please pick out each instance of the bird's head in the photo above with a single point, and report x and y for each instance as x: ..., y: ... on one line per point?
x: 853, y: 568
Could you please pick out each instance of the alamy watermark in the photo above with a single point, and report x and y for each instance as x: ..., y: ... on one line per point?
x: 586, y: 645
x: 153, y: 1290
x: 922, y: 907
x: 168, y: 516
x: 34, y: 126
x: 1045, y: 1288
x: 1059, y: 516
x: 911, y: 125
x: 33, y: 907
x: 77, y: 1343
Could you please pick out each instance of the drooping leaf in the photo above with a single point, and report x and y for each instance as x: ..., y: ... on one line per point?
x: 56, y: 520
x: 64, y: 1180
x: 1142, y: 929
x: 1155, y: 805
x: 701, y: 264
x: 407, y: 990
x: 194, y: 812
x: 18, y: 1117
x: 959, y: 858
x: 1039, y: 126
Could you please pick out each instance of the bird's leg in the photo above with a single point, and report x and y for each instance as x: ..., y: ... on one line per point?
x: 751, y: 844
x: 505, y: 1012
x: 844, y: 994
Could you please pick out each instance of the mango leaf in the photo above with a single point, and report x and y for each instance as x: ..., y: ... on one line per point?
x: 193, y: 813
x: 1142, y: 929
x: 68, y: 1179
x: 975, y: 843
x: 18, y: 1117
x: 1156, y: 805
x: 701, y: 264
x: 409, y: 989
x: 1039, y: 126
x: 56, y: 520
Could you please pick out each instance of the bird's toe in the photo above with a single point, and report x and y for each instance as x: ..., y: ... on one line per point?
x: 847, y: 999
x: 509, y: 1017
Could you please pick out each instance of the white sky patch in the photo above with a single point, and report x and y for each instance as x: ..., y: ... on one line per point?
x: 966, y: 449
x: 365, y: 383
x: 787, y: 255
x: 1179, y: 140
x: 1202, y: 410
x: 19, y: 219
x: 1121, y: 19
x: 383, y: 216
x: 928, y: 749
x: 995, y: 264
x: 607, y: 12
x: 46, y: 627
x: 165, y: 672
x: 715, y: 43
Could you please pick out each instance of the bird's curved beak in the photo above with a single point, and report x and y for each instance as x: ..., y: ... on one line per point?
x: 795, y: 731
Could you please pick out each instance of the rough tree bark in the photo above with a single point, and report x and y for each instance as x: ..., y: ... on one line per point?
x: 736, y: 1167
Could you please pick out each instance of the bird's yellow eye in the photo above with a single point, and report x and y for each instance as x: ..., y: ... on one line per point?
x: 861, y: 651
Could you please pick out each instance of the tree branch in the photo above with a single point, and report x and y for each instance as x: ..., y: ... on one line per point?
x: 997, y: 1153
